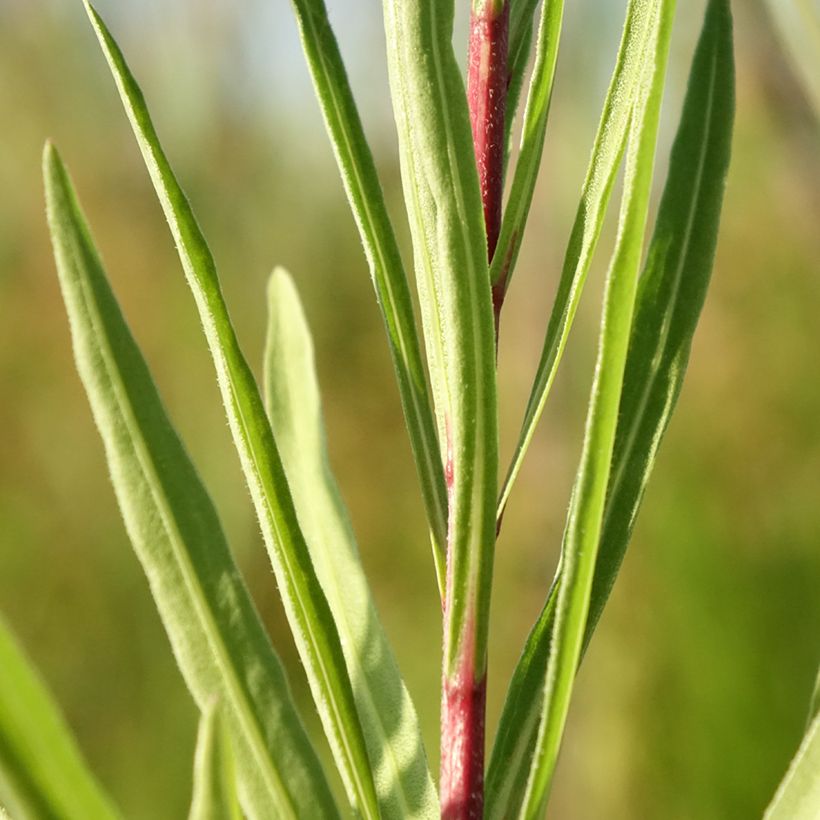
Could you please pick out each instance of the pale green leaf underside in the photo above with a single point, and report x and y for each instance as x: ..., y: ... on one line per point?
x: 586, y: 230
x: 403, y: 781
x: 215, y: 632
x: 215, y: 792
x: 307, y: 610
x: 42, y: 771
x: 587, y: 505
x: 671, y: 293
x: 366, y: 199
x: 798, y: 797
x: 444, y: 208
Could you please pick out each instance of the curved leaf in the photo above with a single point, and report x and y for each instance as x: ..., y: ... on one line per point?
x: 366, y: 199
x: 42, y: 771
x: 670, y: 297
x: 389, y: 721
x: 587, y: 507
x: 586, y: 230
x: 532, y: 144
x: 308, y: 614
x: 217, y: 638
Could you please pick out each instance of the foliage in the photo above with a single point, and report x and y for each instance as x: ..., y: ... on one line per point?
x: 253, y: 749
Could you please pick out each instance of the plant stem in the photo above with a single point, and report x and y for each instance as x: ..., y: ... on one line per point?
x: 487, y: 81
x: 464, y: 684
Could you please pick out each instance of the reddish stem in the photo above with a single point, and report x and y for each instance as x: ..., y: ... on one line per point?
x: 463, y: 697
x: 463, y: 701
x: 487, y: 78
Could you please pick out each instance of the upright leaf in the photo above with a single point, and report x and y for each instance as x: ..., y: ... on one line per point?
x: 366, y: 199
x: 309, y: 616
x: 444, y: 206
x: 670, y: 296
x: 586, y: 230
x: 532, y: 144
x: 217, y: 638
x: 672, y: 289
x: 42, y: 771
x: 587, y: 507
x: 215, y: 796
x: 403, y: 782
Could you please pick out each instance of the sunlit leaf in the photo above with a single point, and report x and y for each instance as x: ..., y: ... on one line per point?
x: 366, y: 199
x: 389, y: 721
x: 42, y: 771
x: 587, y: 507
x: 532, y: 144
x: 586, y: 230
x: 670, y: 296
x: 215, y: 632
x: 215, y: 795
x: 309, y: 616
x: 444, y: 206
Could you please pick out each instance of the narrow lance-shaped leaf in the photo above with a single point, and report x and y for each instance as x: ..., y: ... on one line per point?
x: 389, y: 277
x: 532, y: 144
x: 670, y: 297
x: 522, y: 23
x: 42, y: 771
x: 586, y: 230
x: 444, y: 207
x: 217, y: 638
x: 403, y: 782
x: 587, y: 507
x: 215, y: 795
x: 308, y: 614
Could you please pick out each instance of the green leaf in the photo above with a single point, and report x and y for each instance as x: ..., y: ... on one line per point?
x: 389, y: 721
x: 532, y: 144
x: 603, y: 166
x: 366, y: 199
x: 522, y: 16
x: 215, y: 796
x: 587, y: 507
x: 308, y: 614
x: 798, y: 797
x: 672, y: 289
x: 215, y: 632
x: 42, y: 771
x: 670, y: 296
x: 444, y: 207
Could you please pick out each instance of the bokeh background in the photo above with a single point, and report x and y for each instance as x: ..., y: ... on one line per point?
x: 694, y: 693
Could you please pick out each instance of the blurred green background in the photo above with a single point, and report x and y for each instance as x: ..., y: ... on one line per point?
x: 694, y: 693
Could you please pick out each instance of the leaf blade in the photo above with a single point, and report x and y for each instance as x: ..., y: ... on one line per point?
x: 653, y: 355
x: 42, y: 770
x: 309, y: 616
x: 536, y: 115
x: 214, y: 796
x: 595, y: 195
x: 587, y: 506
x: 366, y: 200
x: 403, y: 781
x: 218, y: 640
x: 444, y: 206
